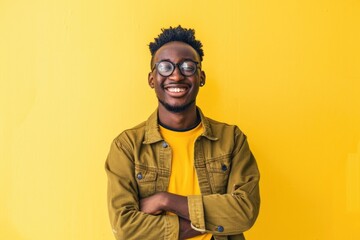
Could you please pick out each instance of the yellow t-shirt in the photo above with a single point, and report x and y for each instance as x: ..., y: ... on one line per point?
x: 183, y: 178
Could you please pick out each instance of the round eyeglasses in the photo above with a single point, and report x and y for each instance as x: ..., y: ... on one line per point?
x: 165, y: 67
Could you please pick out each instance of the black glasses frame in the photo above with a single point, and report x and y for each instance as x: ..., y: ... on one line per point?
x: 178, y: 65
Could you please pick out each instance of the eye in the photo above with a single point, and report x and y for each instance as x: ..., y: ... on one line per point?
x: 165, y: 67
x: 188, y: 66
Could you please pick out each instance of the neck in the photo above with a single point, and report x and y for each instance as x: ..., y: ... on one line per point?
x: 180, y: 120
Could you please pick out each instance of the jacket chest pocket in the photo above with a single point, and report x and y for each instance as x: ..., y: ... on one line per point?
x: 146, y: 181
x: 219, y: 169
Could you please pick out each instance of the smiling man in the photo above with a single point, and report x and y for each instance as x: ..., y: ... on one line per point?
x: 181, y: 175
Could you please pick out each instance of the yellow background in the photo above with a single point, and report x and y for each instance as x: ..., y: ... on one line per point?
x: 73, y: 74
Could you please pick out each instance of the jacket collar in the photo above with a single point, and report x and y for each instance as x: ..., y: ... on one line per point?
x: 152, y: 132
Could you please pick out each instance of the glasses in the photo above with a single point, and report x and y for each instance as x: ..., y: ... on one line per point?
x: 165, y: 68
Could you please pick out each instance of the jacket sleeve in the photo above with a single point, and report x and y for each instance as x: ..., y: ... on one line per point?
x: 127, y: 221
x: 236, y: 211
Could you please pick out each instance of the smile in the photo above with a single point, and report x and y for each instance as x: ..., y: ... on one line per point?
x: 175, y: 89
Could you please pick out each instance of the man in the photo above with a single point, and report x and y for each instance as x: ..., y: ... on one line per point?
x: 181, y: 175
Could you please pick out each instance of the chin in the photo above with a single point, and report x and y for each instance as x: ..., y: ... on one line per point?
x: 176, y: 108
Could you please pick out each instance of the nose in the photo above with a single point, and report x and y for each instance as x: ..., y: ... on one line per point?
x: 176, y: 75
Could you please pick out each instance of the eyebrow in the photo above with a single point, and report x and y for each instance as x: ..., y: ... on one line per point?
x: 182, y: 60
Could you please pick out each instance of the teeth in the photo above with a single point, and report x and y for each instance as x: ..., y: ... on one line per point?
x: 176, y: 90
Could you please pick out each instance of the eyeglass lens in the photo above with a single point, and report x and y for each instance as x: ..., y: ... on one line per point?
x: 166, y: 68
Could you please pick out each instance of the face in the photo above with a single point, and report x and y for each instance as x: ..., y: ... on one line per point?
x: 176, y: 92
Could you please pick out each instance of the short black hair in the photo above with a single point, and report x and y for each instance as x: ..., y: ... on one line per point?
x: 186, y: 35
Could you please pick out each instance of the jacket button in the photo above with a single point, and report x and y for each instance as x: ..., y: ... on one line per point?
x: 224, y: 167
x: 220, y: 228
x: 164, y: 144
x: 139, y: 176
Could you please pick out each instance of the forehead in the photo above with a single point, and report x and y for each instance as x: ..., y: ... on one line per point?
x: 176, y: 51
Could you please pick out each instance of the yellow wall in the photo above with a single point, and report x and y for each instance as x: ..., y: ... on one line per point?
x: 73, y: 74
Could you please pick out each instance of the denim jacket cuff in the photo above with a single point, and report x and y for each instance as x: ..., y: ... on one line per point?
x: 171, y: 227
x: 196, y: 212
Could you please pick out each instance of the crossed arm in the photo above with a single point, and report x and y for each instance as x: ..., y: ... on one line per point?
x: 168, y: 202
x: 132, y: 216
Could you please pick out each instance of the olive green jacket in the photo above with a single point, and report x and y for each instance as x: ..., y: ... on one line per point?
x: 139, y: 165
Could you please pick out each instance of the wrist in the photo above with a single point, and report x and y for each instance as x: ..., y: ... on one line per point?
x: 174, y: 203
x: 165, y: 201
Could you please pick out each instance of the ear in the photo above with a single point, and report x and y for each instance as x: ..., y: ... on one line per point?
x: 151, y: 80
x: 202, y: 78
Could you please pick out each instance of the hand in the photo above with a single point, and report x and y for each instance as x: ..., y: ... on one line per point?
x: 185, y: 229
x: 153, y: 204
x: 165, y: 201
